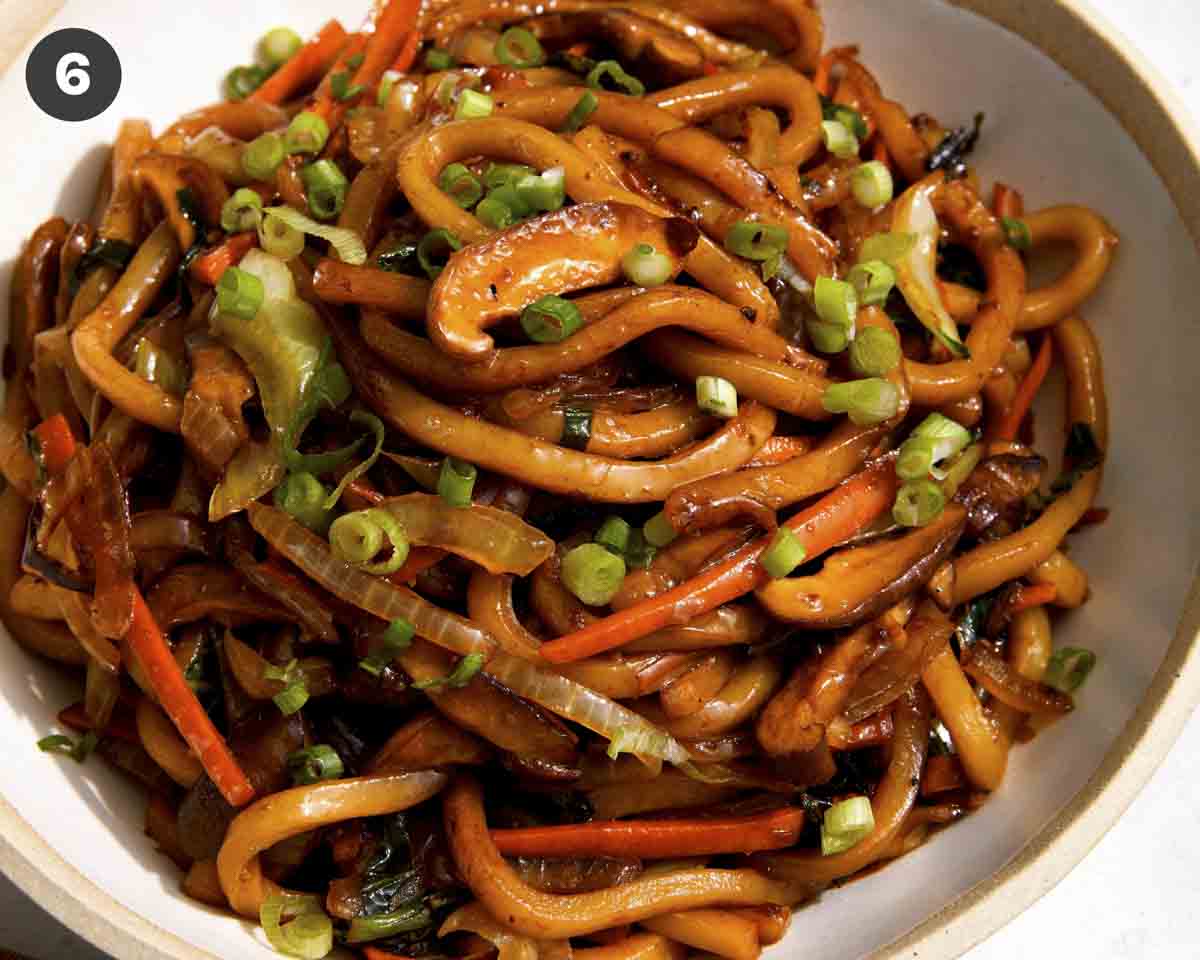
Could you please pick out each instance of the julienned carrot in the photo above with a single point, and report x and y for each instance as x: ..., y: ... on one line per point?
x: 323, y: 102
x: 56, y: 441
x: 408, y: 53
x: 655, y: 839
x: 304, y: 69
x: 779, y: 450
x: 1034, y: 595
x: 148, y: 644
x: 397, y: 21
x: 1023, y: 399
x: 835, y: 517
x: 823, y: 78
x: 374, y: 953
x: 208, y: 267
x: 1007, y: 202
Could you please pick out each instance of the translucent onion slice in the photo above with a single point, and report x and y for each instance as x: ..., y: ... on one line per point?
x: 346, y: 244
x: 916, y: 271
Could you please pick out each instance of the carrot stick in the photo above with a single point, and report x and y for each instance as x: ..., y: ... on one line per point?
x: 838, y: 515
x: 1035, y: 595
x: 322, y: 102
x: 1007, y: 202
x: 208, y: 267
x: 823, y: 78
x: 408, y: 53
x: 305, y: 68
x: 374, y: 953
x: 148, y: 644
x: 779, y: 450
x: 56, y: 441
x: 1023, y: 399
x: 393, y: 29
x: 655, y: 839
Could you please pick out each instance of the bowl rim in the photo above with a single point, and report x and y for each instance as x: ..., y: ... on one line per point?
x: 1079, y: 39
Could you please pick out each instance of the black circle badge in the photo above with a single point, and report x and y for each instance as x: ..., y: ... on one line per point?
x: 73, y: 74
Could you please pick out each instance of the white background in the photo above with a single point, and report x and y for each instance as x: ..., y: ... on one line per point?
x: 1135, y: 895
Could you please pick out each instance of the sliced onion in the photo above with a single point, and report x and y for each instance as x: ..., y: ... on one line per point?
x: 916, y: 271
x: 277, y: 280
x: 497, y: 540
x: 309, y: 932
x: 510, y: 945
x: 255, y: 471
x: 381, y: 598
x: 347, y: 244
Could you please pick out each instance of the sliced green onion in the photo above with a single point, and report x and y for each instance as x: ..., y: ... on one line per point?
x: 437, y: 60
x: 325, y: 186
x: 494, y: 212
x: 505, y: 174
x: 771, y: 266
x: 466, y: 670
x: 872, y: 184
x: 307, y: 133
x: 296, y: 925
x: 456, y: 482
x: 473, y: 105
x: 784, y: 555
x: 646, y: 267
x: 937, y: 438
x: 240, y: 82
x: 242, y: 211
x: 836, y: 303
x: 461, y: 184
x: 592, y: 573
x: 1069, y: 668
x: 262, y: 155
x: 279, y: 239
x: 614, y: 533
x: 918, y: 503
x: 872, y: 281
x: 358, y: 537
x: 434, y: 250
x: 579, y: 114
x: 314, y: 764
x: 848, y: 117
x: 77, y: 750
x: 387, y: 83
x: 302, y: 496
x: 846, y: 824
x: 640, y: 741
x: 577, y: 428
x: 717, y: 396
x: 658, y: 531
x: 519, y: 48
x: 551, y: 319
x: 875, y: 352
x: 888, y: 247
x: 346, y: 244
x: 239, y: 293
x: 867, y: 402
x: 639, y: 555
x: 279, y: 45
x: 545, y: 192
x: 408, y: 918
x: 397, y: 638
x: 356, y: 61
x: 340, y: 85
x: 375, y: 425
x: 839, y: 139
x: 756, y: 241
x: 613, y: 72
x: 1016, y: 232
x: 958, y: 468
x: 291, y: 698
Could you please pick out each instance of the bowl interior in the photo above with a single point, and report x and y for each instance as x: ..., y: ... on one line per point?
x: 1044, y: 133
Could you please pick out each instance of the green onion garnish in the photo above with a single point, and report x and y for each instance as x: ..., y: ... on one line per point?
x: 462, y: 185
x: 867, y: 402
x: 918, y: 503
x: 239, y: 293
x: 613, y: 72
x: 551, y: 319
x: 341, y: 87
x: 545, y: 192
x: 646, y: 267
x: 592, y: 573
x: 302, y: 496
x: 314, y: 764
x: 410, y: 916
x: 295, y: 925
x: 1016, y: 232
x: 435, y: 249
x: 519, y: 48
x: 756, y: 241
x: 494, y: 212
x: 358, y: 537
x: 437, y: 60
x: 937, y: 438
x: 836, y: 304
x: 456, y: 482
x: 872, y: 281
x: 505, y: 174
x: 262, y: 155
x: 473, y: 105
x: 325, y: 186
x: 839, y: 139
x: 717, y: 396
x: 784, y: 555
x: 240, y: 82
x: 279, y: 238
x: 658, y: 530
x: 279, y: 45
x: 307, y: 133
x: 292, y: 697
x: 872, y: 184
x: 581, y: 111
x: 396, y: 639
x: 77, y: 750
x: 846, y: 824
x: 577, y: 428
x: 1069, y: 668
x: 464, y: 672
x: 888, y: 247
x: 614, y: 533
x: 874, y: 352
x: 242, y: 211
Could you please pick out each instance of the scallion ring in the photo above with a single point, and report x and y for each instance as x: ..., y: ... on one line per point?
x: 242, y: 211
x: 551, y: 319
x: 456, y: 482
x: 519, y: 48
x: 592, y: 573
x: 307, y: 133
x: 615, y: 74
x: 358, y: 537
x: 325, y: 187
x: 435, y: 250
x: 867, y: 402
x: 461, y: 184
x: 239, y: 293
x: 918, y: 504
x: 756, y: 241
x: 647, y: 267
x: 262, y: 155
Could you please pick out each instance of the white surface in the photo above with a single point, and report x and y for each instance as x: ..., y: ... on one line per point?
x: 1133, y: 897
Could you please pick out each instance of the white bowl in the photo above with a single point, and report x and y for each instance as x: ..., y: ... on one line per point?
x: 71, y: 836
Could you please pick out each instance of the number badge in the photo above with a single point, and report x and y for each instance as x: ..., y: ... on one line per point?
x: 73, y: 74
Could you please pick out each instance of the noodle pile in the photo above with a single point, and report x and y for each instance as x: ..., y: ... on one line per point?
x: 549, y: 478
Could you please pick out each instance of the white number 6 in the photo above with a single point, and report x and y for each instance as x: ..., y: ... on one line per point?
x: 70, y: 74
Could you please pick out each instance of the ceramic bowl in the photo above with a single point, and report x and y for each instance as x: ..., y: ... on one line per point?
x: 1071, y: 117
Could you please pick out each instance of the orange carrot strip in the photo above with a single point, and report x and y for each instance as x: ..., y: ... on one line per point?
x: 881, y: 152
x: 942, y: 774
x: 305, y: 68
x: 374, y: 953
x: 823, y: 78
x: 779, y: 450
x: 208, y: 267
x: 393, y: 29
x: 1007, y: 202
x: 56, y: 441
x: 408, y: 53
x: 1034, y: 595
x: 835, y: 517
x: 1023, y: 399
x: 322, y: 102
x: 149, y: 645
x: 655, y: 839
